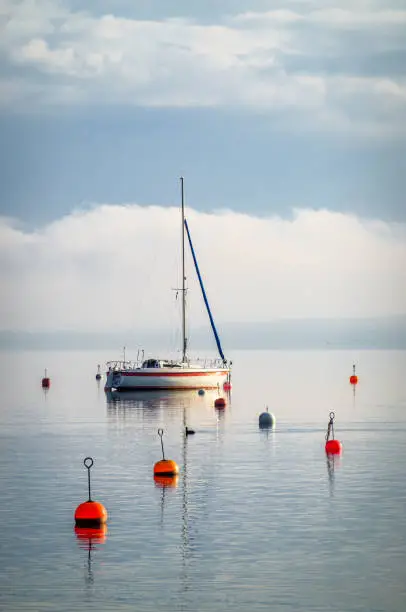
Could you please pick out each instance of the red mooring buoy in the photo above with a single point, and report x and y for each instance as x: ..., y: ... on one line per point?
x: 333, y: 447
x: 220, y: 402
x: 227, y: 386
x: 165, y: 467
x: 46, y: 381
x: 90, y: 513
x: 353, y: 377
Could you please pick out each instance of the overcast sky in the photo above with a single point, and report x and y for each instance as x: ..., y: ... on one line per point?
x: 289, y: 126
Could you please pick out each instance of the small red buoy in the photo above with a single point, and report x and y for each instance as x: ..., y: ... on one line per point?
x: 90, y: 513
x: 333, y: 447
x: 219, y: 402
x: 227, y: 386
x: 46, y: 381
x: 353, y: 377
x: 165, y: 467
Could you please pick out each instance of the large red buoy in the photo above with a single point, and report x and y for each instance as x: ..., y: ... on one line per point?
x: 90, y: 513
x: 353, y: 377
x: 165, y: 467
x: 333, y: 447
x: 46, y: 381
x: 219, y: 402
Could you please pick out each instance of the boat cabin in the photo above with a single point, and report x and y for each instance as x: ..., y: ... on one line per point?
x: 151, y: 363
x: 159, y: 363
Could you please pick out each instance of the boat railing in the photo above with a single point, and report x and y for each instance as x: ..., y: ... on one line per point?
x: 123, y: 365
x: 208, y: 363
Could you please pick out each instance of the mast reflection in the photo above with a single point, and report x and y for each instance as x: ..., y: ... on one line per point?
x: 186, y: 552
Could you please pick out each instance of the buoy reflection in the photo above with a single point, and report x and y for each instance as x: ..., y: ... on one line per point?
x: 166, y: 481
x: 91, y: 535
x: 88, y: 538
x: 333, y: 461
x: 354, y: 392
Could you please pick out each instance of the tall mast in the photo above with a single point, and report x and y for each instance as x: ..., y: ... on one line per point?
x: 184, y: 339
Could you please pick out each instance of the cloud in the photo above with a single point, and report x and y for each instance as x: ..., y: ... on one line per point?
x: 257, y: 61
x: 332, y: 16
x: 115, y: 268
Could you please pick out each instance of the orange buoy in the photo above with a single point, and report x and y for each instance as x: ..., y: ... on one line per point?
x: 219, y: 402
x: 333, y: 447
x: 353, y: 377
x: 90, y: 513
x: 165, y: 467
x: 46, y: 381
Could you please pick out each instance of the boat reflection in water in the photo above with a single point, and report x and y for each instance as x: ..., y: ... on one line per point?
x: 153, y: 404
x: 191, y: 491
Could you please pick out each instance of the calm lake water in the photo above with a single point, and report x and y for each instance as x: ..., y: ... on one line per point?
x: 258, y: 520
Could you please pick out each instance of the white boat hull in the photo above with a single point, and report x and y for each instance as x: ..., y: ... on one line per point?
x: 166, y: 378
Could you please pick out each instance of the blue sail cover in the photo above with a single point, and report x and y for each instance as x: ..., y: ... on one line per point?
x: 220, y: 350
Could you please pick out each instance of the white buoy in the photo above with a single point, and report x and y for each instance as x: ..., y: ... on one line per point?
x: 266, y: 419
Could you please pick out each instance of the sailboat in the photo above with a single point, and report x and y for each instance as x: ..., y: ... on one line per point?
x: 155, y: 373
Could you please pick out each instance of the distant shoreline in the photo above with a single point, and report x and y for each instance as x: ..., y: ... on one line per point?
x: 284, y: 334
